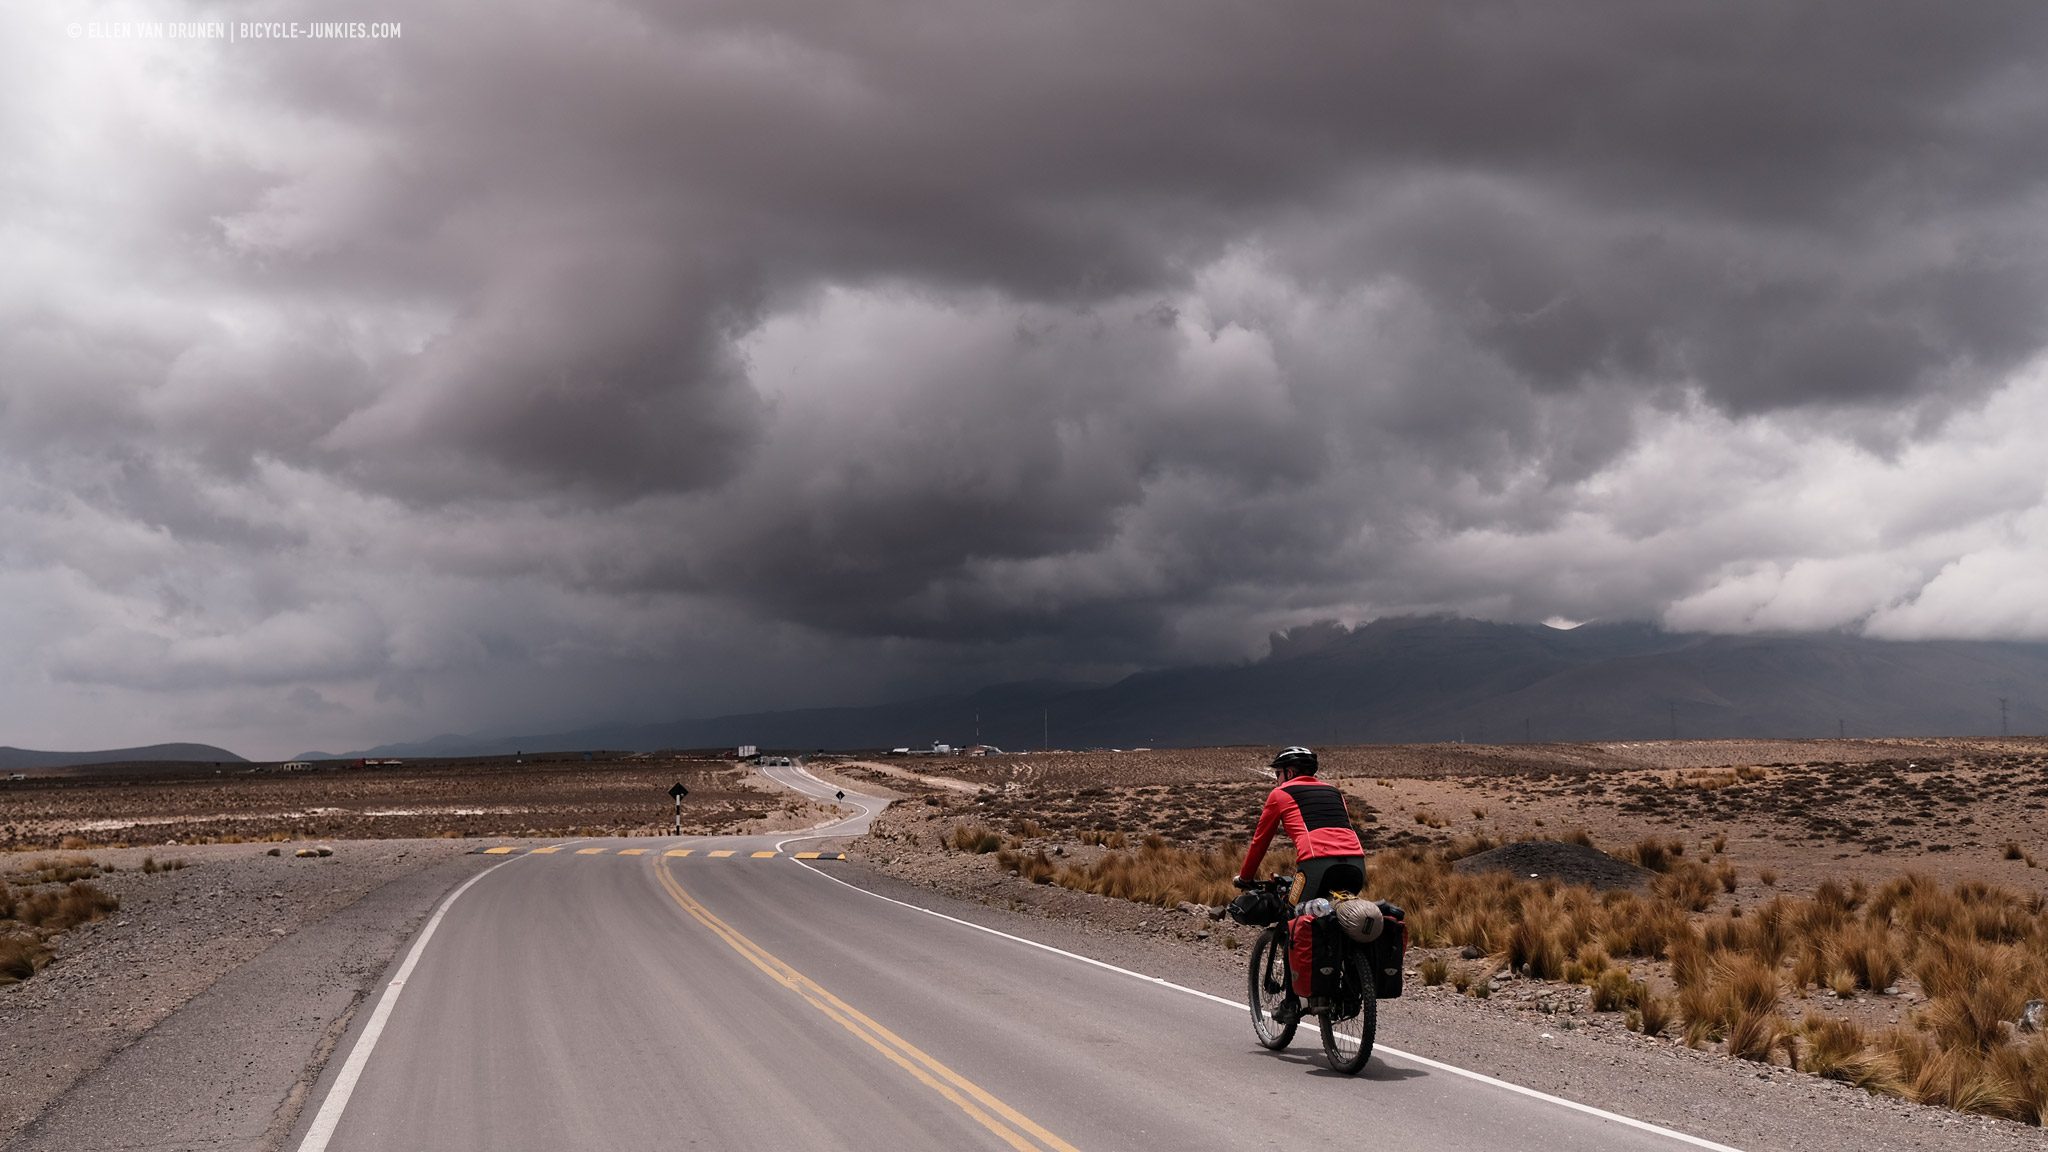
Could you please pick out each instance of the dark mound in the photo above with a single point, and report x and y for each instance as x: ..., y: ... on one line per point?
x: 1551, y: 860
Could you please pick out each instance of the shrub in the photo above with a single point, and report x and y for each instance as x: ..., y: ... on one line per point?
x: 1840, y: 1050
x: 1158, y: 873
x: 1037, y: 867
x: 1536, y: 950
x: 1614, y: 991
x: 1649, y: 852
x: 1652, y: 1014
x: 20, y: 957
x: 1689, y: 886
x: 1756, y: 1035
x: 1434, y: 970
x: 975, y: 838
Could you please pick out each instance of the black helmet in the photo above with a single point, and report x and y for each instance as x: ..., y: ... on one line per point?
x: 1295, y: 761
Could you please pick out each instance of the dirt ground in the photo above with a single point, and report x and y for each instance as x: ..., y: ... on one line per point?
x: 1801, y: 811
x: 503, y: 796
x: 1786, y: 816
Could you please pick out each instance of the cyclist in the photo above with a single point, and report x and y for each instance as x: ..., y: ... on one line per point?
x: 1325, y: 844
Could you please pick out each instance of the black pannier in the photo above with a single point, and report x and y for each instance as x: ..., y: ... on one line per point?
x: 1327, y: 945
x: 1390, y: 952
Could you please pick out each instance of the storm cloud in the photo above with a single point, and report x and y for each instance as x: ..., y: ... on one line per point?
x: 557, y: 362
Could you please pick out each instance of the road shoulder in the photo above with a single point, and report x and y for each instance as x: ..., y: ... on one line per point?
x: 249, y: 1042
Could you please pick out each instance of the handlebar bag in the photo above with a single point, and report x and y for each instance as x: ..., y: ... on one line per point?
x: 1256, y: 908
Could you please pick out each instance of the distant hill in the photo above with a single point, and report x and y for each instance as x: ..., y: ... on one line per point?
x: 1426, y: 679
x: 26, y: 759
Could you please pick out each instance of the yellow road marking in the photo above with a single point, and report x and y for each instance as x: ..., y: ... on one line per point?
x: 763, y: 855
x: 632, y: 851
x: 550, y: 848
x: 808, y: 855
x: 1006, y: 1122
x: 678, y: 852
x: 722, y: 852
x: 589, y: 851
x: 501, y: 850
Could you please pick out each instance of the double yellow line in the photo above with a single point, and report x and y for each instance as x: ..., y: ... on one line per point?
x: 1015, y: 1129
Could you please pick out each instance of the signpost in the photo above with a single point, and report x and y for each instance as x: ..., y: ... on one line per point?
x: 677, y: 793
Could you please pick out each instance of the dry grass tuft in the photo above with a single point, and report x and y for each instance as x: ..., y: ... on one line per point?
x: 1159, y: 872
x: 978, y: 838
x: 1434, y: 970
x: 20, y: 958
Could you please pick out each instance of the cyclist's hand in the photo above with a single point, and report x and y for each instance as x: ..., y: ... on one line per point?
x: 1241, y: 882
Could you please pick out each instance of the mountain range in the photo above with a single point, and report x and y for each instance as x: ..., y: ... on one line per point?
x: 1423, y: 679
x: 26, y: 759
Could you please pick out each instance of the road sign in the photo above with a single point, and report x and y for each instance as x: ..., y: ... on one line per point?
x: 679, y: 791
x: 839, y: 795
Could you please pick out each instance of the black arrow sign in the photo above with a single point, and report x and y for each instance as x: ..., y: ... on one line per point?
x: 679, y: 791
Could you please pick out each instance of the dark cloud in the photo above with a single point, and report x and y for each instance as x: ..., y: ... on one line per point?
x: 579, y: 345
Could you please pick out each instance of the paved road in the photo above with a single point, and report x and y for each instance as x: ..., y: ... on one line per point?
x: 588, y: 1000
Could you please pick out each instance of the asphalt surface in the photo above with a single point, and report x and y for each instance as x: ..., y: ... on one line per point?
x: 584, y: 998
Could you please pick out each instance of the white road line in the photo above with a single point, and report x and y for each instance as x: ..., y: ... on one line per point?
x: 1483, y: 1078
x: 329, y: 1117
x: 823, y: 831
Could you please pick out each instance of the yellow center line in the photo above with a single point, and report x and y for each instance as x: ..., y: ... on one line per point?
x: 678, y: 852
x: 722, y: 852
x: 589, y: 851
x: 632, y: 851
x: 763, y: 855
x: 1006, y: 1122
x: 547, y: 850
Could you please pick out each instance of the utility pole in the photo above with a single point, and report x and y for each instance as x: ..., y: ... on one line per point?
x: 2001, y: 717
x: 1841, y: 729
x: 1525, y: 730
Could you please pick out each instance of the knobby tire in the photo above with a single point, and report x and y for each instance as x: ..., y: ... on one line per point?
x: 1267, y: 987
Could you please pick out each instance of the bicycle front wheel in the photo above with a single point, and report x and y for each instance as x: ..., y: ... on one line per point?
x: 1349, y: 1027
x: 1268, y: 987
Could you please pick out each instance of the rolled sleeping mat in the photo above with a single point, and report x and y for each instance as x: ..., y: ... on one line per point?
x: 1361, y: 920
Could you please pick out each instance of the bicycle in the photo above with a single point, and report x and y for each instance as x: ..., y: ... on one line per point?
x: 1348, y: 1019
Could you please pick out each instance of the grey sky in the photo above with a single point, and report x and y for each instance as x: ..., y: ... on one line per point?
x: 567, y: 361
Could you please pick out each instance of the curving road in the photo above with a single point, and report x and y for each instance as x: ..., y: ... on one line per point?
x: 585, y: 998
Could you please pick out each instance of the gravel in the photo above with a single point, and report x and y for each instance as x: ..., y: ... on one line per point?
x: 1554, y: 860
x: 286, y: 942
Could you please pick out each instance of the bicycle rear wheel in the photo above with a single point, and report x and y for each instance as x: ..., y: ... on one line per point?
x: 1267, y: 987
x: 1348, y: 1029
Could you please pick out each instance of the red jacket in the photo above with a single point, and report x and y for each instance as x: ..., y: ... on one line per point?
x: 1315, y: 818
